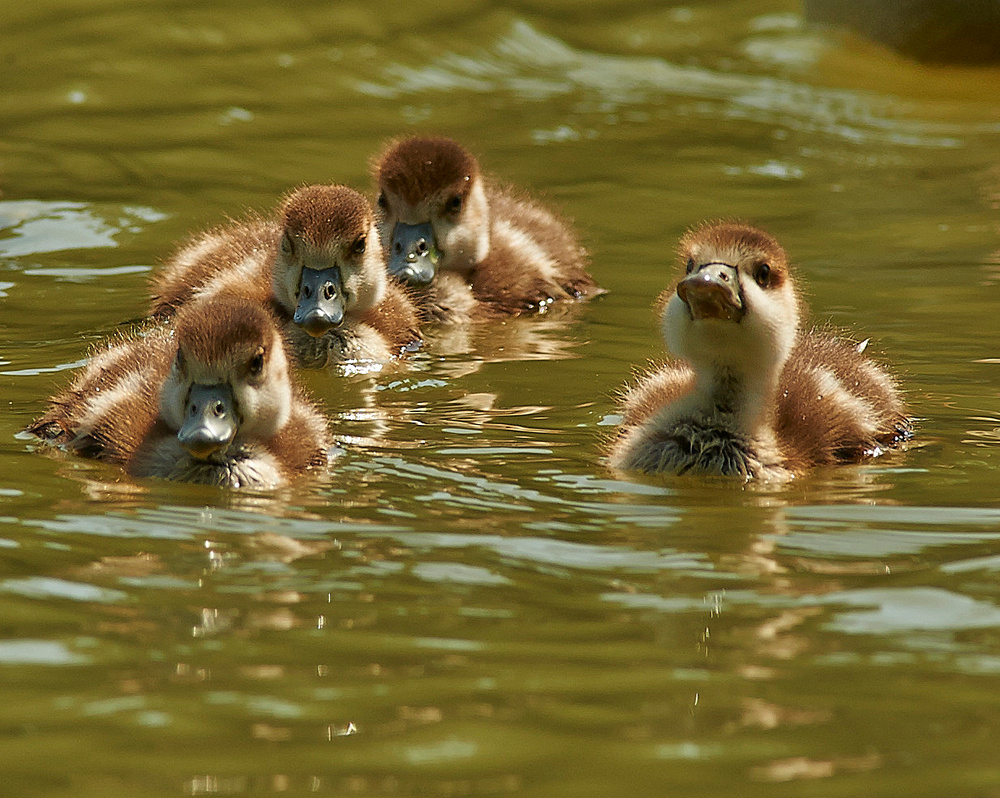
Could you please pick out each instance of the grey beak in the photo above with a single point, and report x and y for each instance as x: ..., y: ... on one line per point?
x: 713, y: 292
x: 321, y: 301
x: 210, y: 421
x: 413, y: 254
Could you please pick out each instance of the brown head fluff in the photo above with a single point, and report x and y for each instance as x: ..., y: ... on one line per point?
x: 421, y: 167
x: 326, y: 213
x: 213, y: 332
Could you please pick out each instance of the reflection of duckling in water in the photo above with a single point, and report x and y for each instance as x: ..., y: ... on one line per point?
x: 320, y: 265
x: 752, y: 396
x: 468, y: 248
x: 208, y: 398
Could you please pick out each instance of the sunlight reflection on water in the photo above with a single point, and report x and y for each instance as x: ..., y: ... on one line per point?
x: 34, y: 227
x: 536, y: 66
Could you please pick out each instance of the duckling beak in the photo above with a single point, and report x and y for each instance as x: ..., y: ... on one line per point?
x: 413, y: 253
x: 713, y: 292
x: 321, y: 301
x: 209, y: 420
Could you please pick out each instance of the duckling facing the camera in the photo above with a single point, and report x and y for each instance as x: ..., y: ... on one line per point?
x: 207, y: 398
x: 319, y: 265
x: 751, y: 395
x: 467, y: 248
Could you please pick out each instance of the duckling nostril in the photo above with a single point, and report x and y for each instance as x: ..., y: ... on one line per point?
x: 307, y: 291
x: 328, y: 291
x: 219, y: 409
x: 422, y: 246
x: 397, y: 248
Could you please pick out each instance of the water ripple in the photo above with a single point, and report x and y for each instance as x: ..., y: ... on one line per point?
x: 37, y: 652
x: 33, y: 227
x: 537, y: 67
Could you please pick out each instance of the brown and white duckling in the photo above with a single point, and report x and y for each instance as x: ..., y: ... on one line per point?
x: 319, y: 263
x: 208, y: 398
x: 469, y: 248
x: 751, y: 395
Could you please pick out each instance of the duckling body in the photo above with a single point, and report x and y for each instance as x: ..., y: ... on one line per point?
x: 226, y: 260
x: 319, y: 265
x: 206, y: 398
x: 751, y: 396
x: 466, y: 247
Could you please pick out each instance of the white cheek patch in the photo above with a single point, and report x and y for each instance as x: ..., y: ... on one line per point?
x: 675, y: 325
x: 775, y: 317
x: 480, y: 210
x: 366, y: 287
x: 351, y: 284
x: 266, y: 407
x: 467, y: 242
x: 285, y: 283
x: 173, y: 397
x: 264, y: 410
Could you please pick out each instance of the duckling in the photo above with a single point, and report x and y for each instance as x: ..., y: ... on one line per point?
x: 467, y: 247
x: 206, y: 398
x: 751, y: 395
x: 318, y: 264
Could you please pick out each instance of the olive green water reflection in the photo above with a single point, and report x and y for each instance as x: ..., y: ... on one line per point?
x: 470, y: 604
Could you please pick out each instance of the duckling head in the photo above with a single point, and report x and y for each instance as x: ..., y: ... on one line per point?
x: 735, y: 309
x: 229, y: 383
x: 432, y: 209
x: 329, y: 264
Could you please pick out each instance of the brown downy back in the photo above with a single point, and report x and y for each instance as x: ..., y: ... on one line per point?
x: 108, y: 409
x: 835, y: 405
x: 239, y: 256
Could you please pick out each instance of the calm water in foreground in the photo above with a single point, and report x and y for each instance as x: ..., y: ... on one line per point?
x: 471, y: 604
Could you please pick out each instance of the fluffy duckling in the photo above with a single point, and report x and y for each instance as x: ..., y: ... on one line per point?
x: 208, y: 398
x: 751, y: 395
x: 319, y: 264
x: 467, y: 247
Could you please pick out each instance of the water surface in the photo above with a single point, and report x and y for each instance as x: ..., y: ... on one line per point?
x: 470, y: 603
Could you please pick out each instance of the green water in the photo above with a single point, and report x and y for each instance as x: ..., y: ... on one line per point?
x: 470, y: 604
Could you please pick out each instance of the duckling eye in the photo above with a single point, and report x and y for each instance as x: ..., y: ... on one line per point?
x: 762, y: 275
x: 358, y: 247
x: 383, y: 202
x: 690, y: 265
x: 286, y: 244
x: 454, y: 204
x: 257, y: 362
